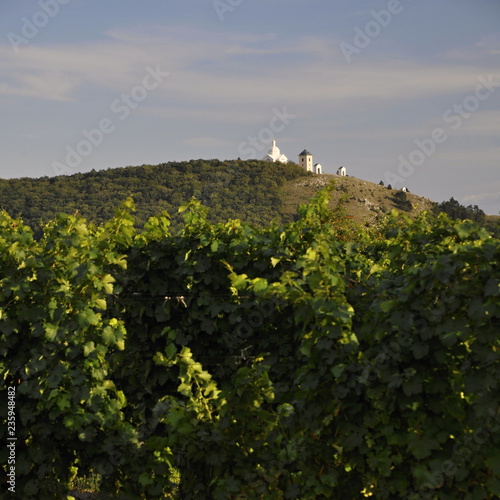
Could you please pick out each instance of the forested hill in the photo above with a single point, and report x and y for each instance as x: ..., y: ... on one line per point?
x: 256, y: 192
x: 247, y: 190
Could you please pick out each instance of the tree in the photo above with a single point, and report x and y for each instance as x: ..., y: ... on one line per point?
x: 457, y: 211
x: 401, y: 201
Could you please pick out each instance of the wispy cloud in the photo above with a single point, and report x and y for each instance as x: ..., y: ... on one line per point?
x: 482, y: 50
x: 483, y: 123
x: 52, y: 85
x: 490, y: 198
x: 223, y: 67
x: 490, y: 44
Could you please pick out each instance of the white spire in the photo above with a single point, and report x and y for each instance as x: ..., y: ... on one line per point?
x: 274, y: 154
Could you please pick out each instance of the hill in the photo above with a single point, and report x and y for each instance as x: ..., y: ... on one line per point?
x: 248, y: 190
x: 364, y: 200
x: 256, y: 192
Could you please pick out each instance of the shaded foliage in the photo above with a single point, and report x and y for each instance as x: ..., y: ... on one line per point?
x: 303, y: 360
x: 457, y: 211
x: 493, y: 226
x: 401, y: 201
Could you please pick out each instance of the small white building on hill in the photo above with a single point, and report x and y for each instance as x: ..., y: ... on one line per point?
x: 275, y: 154
x: 306, y: 162
x: 305, y: 159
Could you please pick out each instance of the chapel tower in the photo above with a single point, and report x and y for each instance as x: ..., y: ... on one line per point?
x: 306, y: 160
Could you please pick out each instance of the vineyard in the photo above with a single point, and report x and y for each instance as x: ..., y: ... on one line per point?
x: 313, y: 359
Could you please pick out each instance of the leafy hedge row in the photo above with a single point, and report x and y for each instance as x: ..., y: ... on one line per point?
x: 311, y: 360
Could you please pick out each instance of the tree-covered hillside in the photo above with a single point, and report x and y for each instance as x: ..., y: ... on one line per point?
x: 248, y: 190
x: 256, y: 192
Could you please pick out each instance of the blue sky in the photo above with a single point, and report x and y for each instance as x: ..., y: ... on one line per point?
x: 404, y: 91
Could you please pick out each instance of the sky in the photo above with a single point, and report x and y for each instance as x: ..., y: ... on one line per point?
x: 401, y: 91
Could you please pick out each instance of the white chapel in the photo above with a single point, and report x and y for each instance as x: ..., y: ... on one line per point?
x: 305, y: 160
x: 275, y: 154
